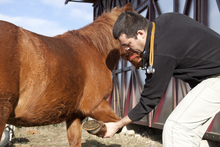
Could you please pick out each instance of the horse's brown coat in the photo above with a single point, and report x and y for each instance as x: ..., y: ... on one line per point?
x: 48, y: 80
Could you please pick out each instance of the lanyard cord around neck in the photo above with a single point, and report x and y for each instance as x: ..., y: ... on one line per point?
x: 150, y: 68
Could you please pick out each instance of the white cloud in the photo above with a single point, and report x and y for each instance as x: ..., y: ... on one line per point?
x: 40, y: 26
x: 57, y: 17
x: 78, y: 12
x: 5, y: 1
x: 81, y: 14
x: 54, y: 3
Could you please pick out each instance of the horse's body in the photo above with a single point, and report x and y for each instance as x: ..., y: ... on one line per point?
x: 48, y: 80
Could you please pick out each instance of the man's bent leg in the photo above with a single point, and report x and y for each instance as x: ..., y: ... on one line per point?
x: 190, y: 119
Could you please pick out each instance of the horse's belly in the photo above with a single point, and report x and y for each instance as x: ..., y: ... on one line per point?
x: 37, y: 119
x: 33, y: 121
x: 37, y: 114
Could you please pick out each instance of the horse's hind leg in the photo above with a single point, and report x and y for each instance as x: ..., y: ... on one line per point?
x: 74, y: 132
x: 6, y: 101
x: 8, y: 97
x: 104, y: 113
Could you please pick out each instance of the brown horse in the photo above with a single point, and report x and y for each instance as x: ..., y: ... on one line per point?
x: 48, y: 80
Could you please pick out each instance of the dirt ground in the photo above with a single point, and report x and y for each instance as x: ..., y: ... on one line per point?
x: 55, y: 136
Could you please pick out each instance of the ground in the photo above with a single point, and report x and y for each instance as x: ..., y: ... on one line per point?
x: 55, y: 136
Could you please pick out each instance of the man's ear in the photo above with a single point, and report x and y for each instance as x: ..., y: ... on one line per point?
x: 141, y: 33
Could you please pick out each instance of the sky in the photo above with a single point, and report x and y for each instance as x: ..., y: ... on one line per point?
x: 46, y: 17
x: 53, y: 17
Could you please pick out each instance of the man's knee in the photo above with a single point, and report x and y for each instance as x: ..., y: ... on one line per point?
x: 168, y: 126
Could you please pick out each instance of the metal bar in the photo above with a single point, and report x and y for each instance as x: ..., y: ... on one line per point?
x: 120, y: 4
x: 127, y: 104
x: 111, y: 4
x: 142, y: 7
x: 118, y: 99
x: 157, y: 8
x: 175, y: 88
x: 114, y: 91
x: 150, y: 118
x: 96, y: 6
x: 147, y: 14
x: 140, y: 123
x: 134, y: 98
x: 124, y: 2
x: 123, y: 69
x: 138, y: 2
x: 124, y: 84
x: 212, y: 136
x: 106, y: 8
x: 151, y: 11
x: 187, y: 7
x: 204, y: 12
x: 158, y: 125
x: 183, y: 88
x: 218, y: 4
x: 100, y: 7
x: 94, y: 13
x: 139, y: 81
x: 195, y: 8
x: 196, y: 11
x: 175, y: 5
x: 159, y: 108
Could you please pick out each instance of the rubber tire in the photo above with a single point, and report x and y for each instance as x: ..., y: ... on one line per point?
x: 4, y: 141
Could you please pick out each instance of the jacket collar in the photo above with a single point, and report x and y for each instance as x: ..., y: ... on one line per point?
x: 147, y: 45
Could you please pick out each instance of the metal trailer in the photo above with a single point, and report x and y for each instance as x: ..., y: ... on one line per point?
x: 128, y: 82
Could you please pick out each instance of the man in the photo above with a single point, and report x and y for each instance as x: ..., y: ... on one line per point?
x: 182, y: 48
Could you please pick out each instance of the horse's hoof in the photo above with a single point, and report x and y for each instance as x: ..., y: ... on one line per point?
x: 92, y: 126
x: 95, y: 127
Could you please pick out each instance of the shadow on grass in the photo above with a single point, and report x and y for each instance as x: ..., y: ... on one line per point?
x: 17, y: 141
x: 90, y: 143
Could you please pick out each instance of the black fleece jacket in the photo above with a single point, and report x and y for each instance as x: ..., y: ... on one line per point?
x: 183, y: 48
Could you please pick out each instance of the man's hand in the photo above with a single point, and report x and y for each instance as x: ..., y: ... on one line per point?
x: 113, y: 127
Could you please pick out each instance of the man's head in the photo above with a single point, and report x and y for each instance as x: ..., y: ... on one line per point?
x: 131, y: 30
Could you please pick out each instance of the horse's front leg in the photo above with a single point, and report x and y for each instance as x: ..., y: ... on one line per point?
x: 74, y: 132
x: 104, y: 113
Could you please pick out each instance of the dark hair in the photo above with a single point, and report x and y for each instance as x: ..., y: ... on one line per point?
x: 129, y: 23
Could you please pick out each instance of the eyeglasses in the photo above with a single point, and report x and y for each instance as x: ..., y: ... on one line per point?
x: 127, y: 45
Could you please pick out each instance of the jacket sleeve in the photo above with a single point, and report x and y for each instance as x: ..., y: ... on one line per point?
x: 155, y: 85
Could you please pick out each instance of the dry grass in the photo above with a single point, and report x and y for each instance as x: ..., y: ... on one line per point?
x: 55, y: 136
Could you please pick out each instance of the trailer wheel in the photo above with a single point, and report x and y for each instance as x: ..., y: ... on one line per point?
x: 4, y: 139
